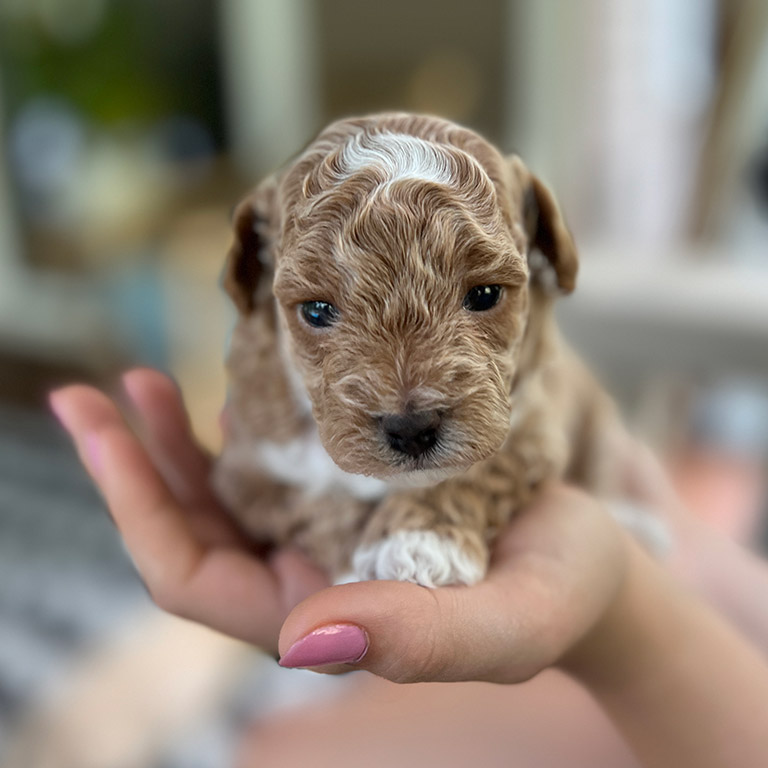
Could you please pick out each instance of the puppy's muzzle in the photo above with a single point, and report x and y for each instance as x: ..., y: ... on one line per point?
x: 412, y: 434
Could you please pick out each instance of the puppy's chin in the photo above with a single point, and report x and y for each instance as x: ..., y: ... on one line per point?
x: 401, y: 478
x: 422, y: 478
x: 405, y: 473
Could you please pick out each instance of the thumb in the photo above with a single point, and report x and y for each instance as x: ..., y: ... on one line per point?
x: 553, y: 573
x: 407, y: 633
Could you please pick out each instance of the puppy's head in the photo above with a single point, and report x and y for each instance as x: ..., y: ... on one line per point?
x: 397, y: 248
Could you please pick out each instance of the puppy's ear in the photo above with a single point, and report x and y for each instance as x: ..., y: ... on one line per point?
x: 545, y: 228
x: 249, y: 259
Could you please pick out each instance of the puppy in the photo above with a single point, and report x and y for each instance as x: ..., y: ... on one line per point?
x: 397, y: 385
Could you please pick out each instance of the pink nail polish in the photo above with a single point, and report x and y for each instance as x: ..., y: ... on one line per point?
x: 334, y: 644
x: 93, y: 453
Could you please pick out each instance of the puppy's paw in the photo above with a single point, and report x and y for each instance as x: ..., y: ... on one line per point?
x: 422, y: 557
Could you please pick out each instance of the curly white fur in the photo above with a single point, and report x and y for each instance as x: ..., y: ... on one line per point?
x: 400, y: 157
x: 422, y: 557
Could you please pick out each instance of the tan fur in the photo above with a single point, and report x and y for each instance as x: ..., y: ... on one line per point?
x: 397, y: 258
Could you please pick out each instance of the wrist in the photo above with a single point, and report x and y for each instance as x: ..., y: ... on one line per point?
x: 680, y: 684
x: 622, y: 647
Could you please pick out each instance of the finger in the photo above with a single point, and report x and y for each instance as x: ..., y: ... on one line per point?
x: 167, y: 434
x: 542, y: 594
x: 408, y: 633
x: 225, y: 588
x: 154, y: 528
x: 297, y: 575
x: 83, y: 410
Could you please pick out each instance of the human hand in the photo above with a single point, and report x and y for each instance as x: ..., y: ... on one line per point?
x: 566, y: 588
x: 191, y: 557
x: 555, y: 572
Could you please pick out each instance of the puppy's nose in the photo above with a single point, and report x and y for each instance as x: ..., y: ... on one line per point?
x: 411, y: 433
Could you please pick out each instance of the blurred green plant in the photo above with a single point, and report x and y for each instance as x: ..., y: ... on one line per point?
x: 128, y: 61
x: 105, y: 75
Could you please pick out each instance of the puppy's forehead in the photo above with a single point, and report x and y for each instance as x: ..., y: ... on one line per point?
x: 400, y: 199
x: 372, y: 170
x: 397, y: 156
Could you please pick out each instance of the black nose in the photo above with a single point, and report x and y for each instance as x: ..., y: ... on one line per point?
x: 411, y: 433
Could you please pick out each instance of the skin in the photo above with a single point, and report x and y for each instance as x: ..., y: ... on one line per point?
x: 682, y: 686
x: 192, y: 559
x: 566, y: 589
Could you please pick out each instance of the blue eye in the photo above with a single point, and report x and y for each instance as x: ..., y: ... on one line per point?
x: 319, y: 314
x: 482, y: 297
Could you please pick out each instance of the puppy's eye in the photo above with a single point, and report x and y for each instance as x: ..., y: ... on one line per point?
x: 319, y: 314
x: 482, y: 297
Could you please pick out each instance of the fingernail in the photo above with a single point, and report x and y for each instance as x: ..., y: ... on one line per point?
x: 93, y: 453
x: 334, y: 644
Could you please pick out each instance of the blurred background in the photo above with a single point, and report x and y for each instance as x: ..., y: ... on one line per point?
x: 129, y: 129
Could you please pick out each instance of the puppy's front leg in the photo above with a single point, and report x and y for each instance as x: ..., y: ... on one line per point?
x: 433, y: 536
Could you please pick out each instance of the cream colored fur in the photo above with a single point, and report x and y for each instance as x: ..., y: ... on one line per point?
x: 392, y: 219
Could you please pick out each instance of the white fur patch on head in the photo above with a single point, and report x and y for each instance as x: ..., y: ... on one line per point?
x: 422, y: 557
x: 400, y: 157
x: 304, y: 462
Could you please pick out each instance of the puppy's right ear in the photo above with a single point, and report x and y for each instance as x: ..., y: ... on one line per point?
x: 249, y: 259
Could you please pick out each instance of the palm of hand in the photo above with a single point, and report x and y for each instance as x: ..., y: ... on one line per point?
x: 552, y: 574
x: 193, y: 560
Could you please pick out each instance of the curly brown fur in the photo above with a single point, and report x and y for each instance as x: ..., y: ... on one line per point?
x: 392, y: 219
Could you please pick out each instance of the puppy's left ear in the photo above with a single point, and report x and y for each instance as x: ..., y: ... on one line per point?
x: 250, y: 259
x: 544, y: 226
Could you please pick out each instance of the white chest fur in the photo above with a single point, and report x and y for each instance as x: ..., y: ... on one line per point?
x: 303, y: 462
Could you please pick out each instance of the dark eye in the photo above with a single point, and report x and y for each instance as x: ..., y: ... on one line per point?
x: 319, y: 314
x: 482, y: 297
